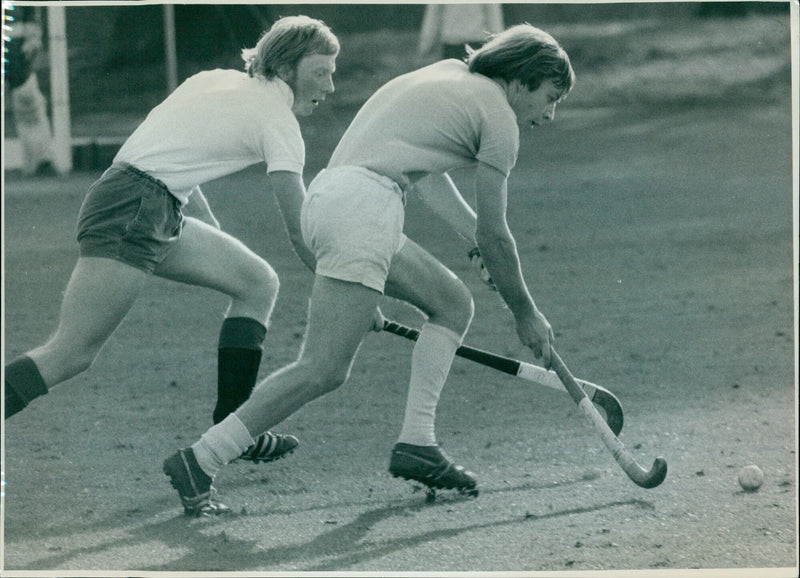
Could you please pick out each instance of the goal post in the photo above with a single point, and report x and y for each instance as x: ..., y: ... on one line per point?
x: 59, y: 87
x: 63, y: 142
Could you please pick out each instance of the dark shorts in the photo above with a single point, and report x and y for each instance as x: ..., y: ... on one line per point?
x: 129, y: 216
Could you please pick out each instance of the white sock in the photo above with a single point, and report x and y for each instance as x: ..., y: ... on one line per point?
x: 430, y: 364
x: 221, y: 444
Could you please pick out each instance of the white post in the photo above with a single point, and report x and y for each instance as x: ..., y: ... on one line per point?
x: 170, y: 52
x: 59, y: 87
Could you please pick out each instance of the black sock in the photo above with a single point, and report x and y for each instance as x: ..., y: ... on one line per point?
x: 24, y: 383
x: 14, y: 403
x: 236, y: 377
x: 240, y: 348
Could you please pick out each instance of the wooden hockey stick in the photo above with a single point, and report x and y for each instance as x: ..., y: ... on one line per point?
x: 606, y: 400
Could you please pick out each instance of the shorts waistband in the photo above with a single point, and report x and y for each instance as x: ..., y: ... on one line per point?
x: 377, y: 177
x: 129, y: 168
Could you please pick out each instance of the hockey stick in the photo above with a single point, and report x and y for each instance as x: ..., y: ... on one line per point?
x: 640, y: 476
x: 529, y: 372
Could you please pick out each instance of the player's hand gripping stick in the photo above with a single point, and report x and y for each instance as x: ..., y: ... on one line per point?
x: 606, y: 400
x: 640, y: 476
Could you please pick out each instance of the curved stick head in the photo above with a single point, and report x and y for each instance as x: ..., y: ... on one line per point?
x: 612, y: 408
x: 655, y: 476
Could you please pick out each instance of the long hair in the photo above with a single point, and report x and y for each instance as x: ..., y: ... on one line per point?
x: 524, y: 53
x: 289, y: 40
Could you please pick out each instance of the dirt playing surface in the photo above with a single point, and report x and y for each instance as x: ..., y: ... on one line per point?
x: 659, y: 246
x: 654, y: 222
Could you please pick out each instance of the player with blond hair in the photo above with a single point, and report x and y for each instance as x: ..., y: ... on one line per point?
x: 132, y: 225
x: 405, y: 138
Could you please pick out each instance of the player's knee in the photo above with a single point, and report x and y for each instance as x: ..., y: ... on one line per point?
x: 258, y: 283
x: 266, y: 278
x: 467, y: 305
x: 454, y: 308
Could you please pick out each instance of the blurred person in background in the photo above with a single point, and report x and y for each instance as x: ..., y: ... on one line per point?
x: 447, y: 28
x: 405, y: 138
x: 131, y: 223
x: 25, y: 54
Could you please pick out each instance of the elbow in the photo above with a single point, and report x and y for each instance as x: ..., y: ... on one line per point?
x: 496, y: 247
x: 490, y: 240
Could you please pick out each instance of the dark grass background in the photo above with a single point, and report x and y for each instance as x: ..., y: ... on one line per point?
x: 625, y: 55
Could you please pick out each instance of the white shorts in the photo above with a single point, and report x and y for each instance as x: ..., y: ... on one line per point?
x: 352, y: 220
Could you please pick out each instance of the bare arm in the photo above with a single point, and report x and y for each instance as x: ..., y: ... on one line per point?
x: 198, y: 207
x: 499, y: 250
x: 440, y: 193
x: 290, y: 192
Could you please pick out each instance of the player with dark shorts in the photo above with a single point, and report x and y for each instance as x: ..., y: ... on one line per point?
x: 132, y: 223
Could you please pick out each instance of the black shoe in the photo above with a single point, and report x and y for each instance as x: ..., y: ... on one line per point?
x: 270, y: 447
x: 193, y: 484
x: 432, y: 467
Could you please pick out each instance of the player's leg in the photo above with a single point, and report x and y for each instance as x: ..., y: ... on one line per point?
x: 127, y: 223
x: 340, y: 314
x: 207, y: 257
x: 352, y: 220
x: 353, y: 223
x: 99, y: 294
x: 419, y: 279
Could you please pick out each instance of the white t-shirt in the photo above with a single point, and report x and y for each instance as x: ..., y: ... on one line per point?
x: 432, y: 120
x: 217, y: 123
